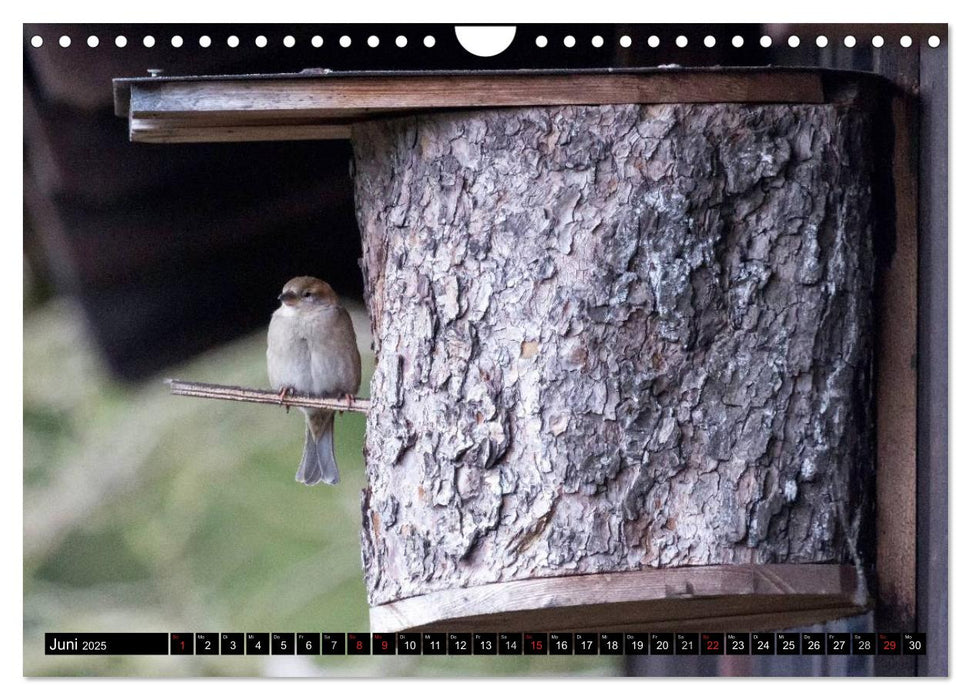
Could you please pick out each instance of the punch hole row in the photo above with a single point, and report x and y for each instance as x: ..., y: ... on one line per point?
x: 737, y: 41
x: 429, y: 41
x: 233, y: 41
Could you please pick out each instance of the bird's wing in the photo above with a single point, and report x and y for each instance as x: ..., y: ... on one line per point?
x: 335, y: 363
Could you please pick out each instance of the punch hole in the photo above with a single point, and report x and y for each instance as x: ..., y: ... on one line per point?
x: 906, y: 41
x: 569, y: 42
x: 737, y: 41
x: 709, y: 41
x: 148, y: 41
x: 121, y: 41
x: 625, y: 41
x: 344, y: 41
x: 849, y: 41
x: 289, y: 41
x: 541, y: 41
x: 877, y: 41
x: 482, y: 41
x: 93, y: 41
x: 373, y: 41
x: 681, y: 41
x: 401, y: 41
x: 232, y: 42
x: 933, y: 41
x: 205, y: 42
x: 821, y: 41
x: 793, y: 41
x: 317, y: 41
x: 765, y: 42
x: 36, y: 41
x: 653, y: 41
x: 64, y: 41
x: 429, y: 41
x: 261, y: 41
x: 597, y: 41
x: 176, y: 41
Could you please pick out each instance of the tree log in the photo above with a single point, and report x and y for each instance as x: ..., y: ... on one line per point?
x: 612, y: 339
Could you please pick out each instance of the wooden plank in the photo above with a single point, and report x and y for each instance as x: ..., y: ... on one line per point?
x: 331, y: 96
x: 896, y: 390
x: 774, y: 596
x: 758, y: 614
x: 932, y: 370
x: 192, y: 110
x: 176, y: 131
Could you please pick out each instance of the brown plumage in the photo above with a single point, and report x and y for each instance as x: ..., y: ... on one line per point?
x: 312, y: 349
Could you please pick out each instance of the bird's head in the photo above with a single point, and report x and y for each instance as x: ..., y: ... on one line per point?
x: 307, y: 292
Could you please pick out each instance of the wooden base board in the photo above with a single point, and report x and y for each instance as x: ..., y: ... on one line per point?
x: 704, y: 598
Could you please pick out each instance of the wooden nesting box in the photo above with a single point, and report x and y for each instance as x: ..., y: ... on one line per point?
x: 625, y: 336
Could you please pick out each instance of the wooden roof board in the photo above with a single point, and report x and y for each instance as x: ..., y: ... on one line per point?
x: 320, y: 104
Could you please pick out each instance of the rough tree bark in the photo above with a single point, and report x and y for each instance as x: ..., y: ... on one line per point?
x: 613, y: 338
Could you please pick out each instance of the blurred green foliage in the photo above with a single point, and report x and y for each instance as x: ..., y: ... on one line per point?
x: 152, y: 513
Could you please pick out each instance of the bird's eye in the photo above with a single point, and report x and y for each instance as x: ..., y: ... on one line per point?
x: 306, y: 295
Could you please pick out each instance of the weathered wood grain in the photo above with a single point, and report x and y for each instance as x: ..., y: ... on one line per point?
x: 181, y: 131
x: 279, y: 108
x: 706, y: 598
x: 896, y: 385
x: 334, y: 95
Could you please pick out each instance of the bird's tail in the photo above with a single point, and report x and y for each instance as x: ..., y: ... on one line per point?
x: 318, y: 462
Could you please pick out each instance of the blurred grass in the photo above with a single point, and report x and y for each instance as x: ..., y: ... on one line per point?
x: 151, y: 513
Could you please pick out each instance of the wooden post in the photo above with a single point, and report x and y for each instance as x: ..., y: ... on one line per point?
x: 623, y: 365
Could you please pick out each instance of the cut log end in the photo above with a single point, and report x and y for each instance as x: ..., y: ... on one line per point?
x: 612, y: 340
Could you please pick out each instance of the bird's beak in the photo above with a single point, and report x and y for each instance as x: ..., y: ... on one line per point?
x: 287, y: 297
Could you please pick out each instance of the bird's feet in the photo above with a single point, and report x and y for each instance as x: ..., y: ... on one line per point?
x: 349, y: 398
x: 284, y: 393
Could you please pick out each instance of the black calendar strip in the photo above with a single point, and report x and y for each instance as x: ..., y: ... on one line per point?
x: 108, y: 643
x: 487, y: 643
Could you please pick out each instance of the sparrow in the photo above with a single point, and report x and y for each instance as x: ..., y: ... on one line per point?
x: 311, y: 349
